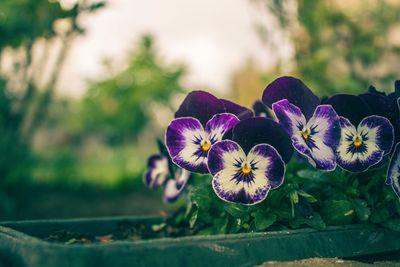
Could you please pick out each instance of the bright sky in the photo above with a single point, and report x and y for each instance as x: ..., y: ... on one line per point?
x: 212, y: 37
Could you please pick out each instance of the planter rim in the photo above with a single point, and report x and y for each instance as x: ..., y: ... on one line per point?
x: 6, y: 228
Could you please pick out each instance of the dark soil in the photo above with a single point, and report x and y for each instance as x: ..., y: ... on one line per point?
x: 125, y: 231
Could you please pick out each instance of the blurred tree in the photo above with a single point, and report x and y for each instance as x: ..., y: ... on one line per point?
x: 25, y: 93
x: 118, y: 106
x: 340, y: 46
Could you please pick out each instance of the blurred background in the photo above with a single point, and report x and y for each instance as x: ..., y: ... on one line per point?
x: 87, y: 86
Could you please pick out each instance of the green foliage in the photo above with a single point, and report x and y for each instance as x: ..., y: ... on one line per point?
x: 120, y: 105
x: 23, y: 103
x: 308, y: 198
x: 340, y: 46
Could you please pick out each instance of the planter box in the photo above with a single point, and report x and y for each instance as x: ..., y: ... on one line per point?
x: 20, y: 245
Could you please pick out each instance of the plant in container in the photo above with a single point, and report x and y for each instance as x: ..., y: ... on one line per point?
x: 297, y: 177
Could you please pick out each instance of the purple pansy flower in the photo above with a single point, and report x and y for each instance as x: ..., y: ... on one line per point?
x: 384, y: 105
x: 160, y: 174
x: 157, y: 171
x: 201, y: 121
x: 365, y: 138
x: 247, y: 167
x: 314, y: 128
x: 393, y: 174
x: 175, y: 187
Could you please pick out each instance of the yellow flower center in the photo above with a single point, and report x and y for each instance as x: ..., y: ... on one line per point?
x: 305, y: 134
x: 205, y: 146
x: 246, y: 169
x: 357, y: 142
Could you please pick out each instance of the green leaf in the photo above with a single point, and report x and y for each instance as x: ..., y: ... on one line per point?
x: 337, y: 212
x: 393, y: 224
x: 263, y: 220
x: 380, y: 214
x: 307, y: 196
x: 193, y: 218
x: 220, y: 225
x: 294, y: 197
x: 362, y: 210
x: 236, y: 210
x: 200, y: 196
x: 316, y: 222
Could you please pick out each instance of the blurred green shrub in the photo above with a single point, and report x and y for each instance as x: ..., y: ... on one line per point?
x: 118, y: 107
x: 340, y: 46
x: 25, y: 95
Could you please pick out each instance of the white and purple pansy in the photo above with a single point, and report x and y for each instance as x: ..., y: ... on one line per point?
x: 313, y: 128
x: 393, y: 174
x: 188, y: 142
x: 174, y: 188
x: 247, y: 167
x: 161, y: 173
x: 316, y: 138
x: 157, y: 171
x: 201, y: 121
x: 365, y: 139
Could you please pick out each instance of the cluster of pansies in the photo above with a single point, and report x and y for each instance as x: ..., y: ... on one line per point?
x: 246, y: 151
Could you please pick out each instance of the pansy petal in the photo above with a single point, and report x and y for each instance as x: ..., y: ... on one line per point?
x: 323, y: 138
x: 224, y: 155
x: 267, y: 164
x: 377, y: 136
x: 295, y: 91
x: 183, y: 139
x: 157, y: 171
x: 259, y: 130
x: 219, y: 125
x: 383, y: 138
x: 349, y: 106
x: 397, y: 87
x: 260, y: 109
x: 393, y: 174
x: 289, y: 116
x: 240, y: 111
x: 200, y: 105
x: 230, y: 184
x: 381, y: 105
x: 174, y: 188
x: 372, y: 89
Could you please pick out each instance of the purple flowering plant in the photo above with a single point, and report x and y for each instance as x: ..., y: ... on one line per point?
x: 295, y: 160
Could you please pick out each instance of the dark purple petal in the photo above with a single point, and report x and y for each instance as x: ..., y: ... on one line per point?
x: 157, y: 171
x: 240, y: 111
x: 232, y: 183
x: 200, y: 105
x: 295, y: 91
x: 372, y: 89
x: 364, y: 146
x: 349, y: 106
x: 254, y: 131
x: 289, y: 116
x: 381, y: 105
x: 174, y: 188
x: 322, y: 133
x: 184, y: 137
x: 260, y: 109
x: 393, y: 174
x: 219, y: 125
x: 397, y: 87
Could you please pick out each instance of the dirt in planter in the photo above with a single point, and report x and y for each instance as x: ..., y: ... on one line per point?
x: 125, y: 231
